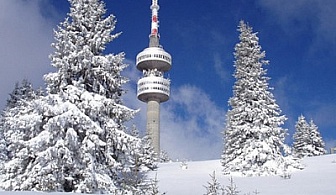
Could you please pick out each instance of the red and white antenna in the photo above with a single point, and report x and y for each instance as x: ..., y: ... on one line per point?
x: 155, y: 18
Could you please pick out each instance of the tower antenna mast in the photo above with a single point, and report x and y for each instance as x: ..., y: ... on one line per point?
x: 154, y: 36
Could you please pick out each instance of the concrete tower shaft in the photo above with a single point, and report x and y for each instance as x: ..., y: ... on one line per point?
x: 153, y: 124
x: 153, y: 88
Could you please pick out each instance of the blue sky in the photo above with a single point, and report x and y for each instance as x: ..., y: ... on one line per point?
x: 298, y: 36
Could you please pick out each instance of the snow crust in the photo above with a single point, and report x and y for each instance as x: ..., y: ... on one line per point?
x: 318, y: 177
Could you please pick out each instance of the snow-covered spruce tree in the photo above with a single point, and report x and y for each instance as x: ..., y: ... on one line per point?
x: 74, y: 139
x: 307, y: 139
x: 164, y: 157
x: 301, y: 138
x: 20, y: 124
x: 214, y: 187
x: 232, y: 188
x: 143, y: 151
x: 316, y: 140
x: 22, y: 93
x: 253, y: 136
x: 3, y: 150
x: 143, y: 157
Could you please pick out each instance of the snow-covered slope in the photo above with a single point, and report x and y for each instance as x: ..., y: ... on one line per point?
x: 318, y: 178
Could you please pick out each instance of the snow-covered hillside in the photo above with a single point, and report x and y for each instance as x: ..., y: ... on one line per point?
x: 318, y: 178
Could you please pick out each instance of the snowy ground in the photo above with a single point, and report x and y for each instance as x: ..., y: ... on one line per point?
x: 318, y: 178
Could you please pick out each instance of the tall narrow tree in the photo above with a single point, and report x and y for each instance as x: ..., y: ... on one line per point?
x: 301, y: 138
x: 74, y: 139
x: 253, y: 136
x: 316, y: 140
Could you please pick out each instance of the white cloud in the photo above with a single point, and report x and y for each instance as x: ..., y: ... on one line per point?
x: 294, y: 16
x: 283, y: 89
x: 323, y: 115
x: 287, y: 11
x: 219, y: 68
x: 191, y: 123
x: 321, y: 112
x: 24, y: 45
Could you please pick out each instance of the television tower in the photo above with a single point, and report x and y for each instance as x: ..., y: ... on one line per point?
x: 153, y: 88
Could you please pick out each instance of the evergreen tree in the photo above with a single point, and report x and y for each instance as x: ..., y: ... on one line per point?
x: 316, y: 140
x: 25, y: 91
x: 143, y: 156
x: 3, y: 151
x: 301, y: 137
x: 74, y: 138
x: 22, y: 93
x: 253, y: 136
x: 164, y: 157
x: 231, y: 189
x: 214, y: 187
x: 307, y: 139
x: 143, y: 151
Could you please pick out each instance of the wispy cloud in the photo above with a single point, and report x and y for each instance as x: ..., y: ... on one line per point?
x: 315, y: 21
x: 25, y: 38
x: 191, y: 123
x: 318, y: 17
x: 282, y: 90
x: 321, y: 112
x: 219, y: 68
x: 290, y: 12
x: 194, y: 124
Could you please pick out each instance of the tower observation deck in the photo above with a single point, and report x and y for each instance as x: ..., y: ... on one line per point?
x: 153, y: 88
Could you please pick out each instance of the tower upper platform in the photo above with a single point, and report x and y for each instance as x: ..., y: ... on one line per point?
x: 154, y: 58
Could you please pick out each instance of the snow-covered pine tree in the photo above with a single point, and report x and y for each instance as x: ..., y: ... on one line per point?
x: 164, y: 157
x: 214, y: 187
x: 22, y: 93
x: 316, y: 140
x: 146, y: 154
x: 3, y: 150
x: 253, y: 136
x: 232, y: 188
x: 143, y: 156
x: 301, y: 138
x: 143, y: 151
x: 20, y: 124
x: 307, y: 139
x: 74, y: 139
